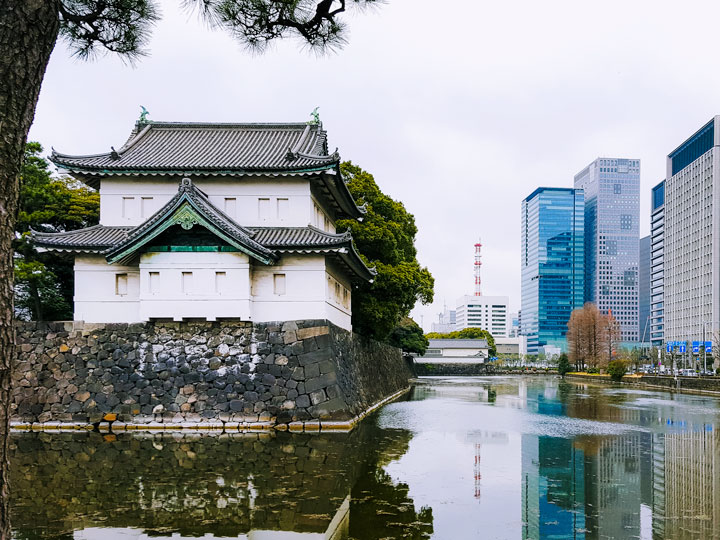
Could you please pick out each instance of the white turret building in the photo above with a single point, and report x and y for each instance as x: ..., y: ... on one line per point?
x: 214, y: 222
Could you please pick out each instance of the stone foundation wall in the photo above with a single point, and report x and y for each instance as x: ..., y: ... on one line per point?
x: 446, y: 368
x: 219, y: 374
x: 690, y: 384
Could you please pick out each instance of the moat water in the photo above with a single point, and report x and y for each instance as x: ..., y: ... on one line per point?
x: 459, y: 458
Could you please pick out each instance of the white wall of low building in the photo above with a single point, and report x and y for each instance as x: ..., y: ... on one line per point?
x: 211, y: 286
x: 252, y: 202
x: 309, y: 292
x: 206, y: 285
x: 105, y: 293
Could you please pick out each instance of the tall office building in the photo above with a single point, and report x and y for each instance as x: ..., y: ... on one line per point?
x: 657, y: 247
x: 612, y: 233
x: 692, y: 236
x: 552, y: 254
x: 644, y: 292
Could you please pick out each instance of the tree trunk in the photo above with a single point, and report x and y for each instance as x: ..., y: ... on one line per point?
x: 28, y: 32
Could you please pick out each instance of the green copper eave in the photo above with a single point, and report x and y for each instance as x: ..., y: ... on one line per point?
x: 187, y: 217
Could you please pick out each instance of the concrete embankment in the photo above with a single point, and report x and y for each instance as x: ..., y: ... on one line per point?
x: 233, y: 376
x: 703, y: 385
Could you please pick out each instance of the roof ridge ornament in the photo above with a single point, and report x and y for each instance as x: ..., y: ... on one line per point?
x: 113, y: 153
x: 315, y: 117
x: 185, y: 185
x: 143, y: 116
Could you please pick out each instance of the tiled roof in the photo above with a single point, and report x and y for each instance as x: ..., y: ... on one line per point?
x: 174, y: 146
x: 96, y: 238
x: 298, y: 237
x: 458, y: 343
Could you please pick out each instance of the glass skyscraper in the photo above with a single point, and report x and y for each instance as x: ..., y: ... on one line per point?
x: 612, y: 234
x: 552, y: 255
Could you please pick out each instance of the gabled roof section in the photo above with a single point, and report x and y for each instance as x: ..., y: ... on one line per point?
x: 218, y: 149
x: 178, y: 147
x: 313, y: 240
x: 188, y: 208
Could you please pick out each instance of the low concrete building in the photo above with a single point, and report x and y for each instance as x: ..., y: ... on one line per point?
x: 456, y: 351
x: 511, y: 345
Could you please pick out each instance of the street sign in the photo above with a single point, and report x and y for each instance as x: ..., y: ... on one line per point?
x: 696, y: 347
x: 708, y: 346
x: 669, y: 347
x: 682, y: 348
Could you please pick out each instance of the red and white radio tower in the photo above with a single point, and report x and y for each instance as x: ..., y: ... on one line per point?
x: 478, y: 264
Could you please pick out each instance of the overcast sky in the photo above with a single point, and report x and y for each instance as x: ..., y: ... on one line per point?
x: 460, y: 109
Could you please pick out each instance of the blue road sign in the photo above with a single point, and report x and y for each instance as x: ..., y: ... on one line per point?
x: 696, y: 347
x: 708, y: 346
x: 669, y: 347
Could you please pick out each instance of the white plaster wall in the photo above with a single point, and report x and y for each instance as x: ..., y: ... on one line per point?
x: 95, y: 291
x: 130, y: 201
x: 204, y: 294
x: 306, y: 292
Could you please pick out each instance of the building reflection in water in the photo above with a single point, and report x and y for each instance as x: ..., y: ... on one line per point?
x: 661, y: 481
x: 253, y: 486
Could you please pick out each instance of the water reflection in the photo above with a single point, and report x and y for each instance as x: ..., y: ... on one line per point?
x: 460, y: 458
x: 249, y: 486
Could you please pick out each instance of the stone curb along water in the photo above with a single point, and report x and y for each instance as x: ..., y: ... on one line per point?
x: 305, y: 375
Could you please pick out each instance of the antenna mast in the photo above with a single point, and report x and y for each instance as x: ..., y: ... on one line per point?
x: 476, y: 268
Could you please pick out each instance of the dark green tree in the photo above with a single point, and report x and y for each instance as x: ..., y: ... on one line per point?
x: 468, y: 333
x: 409, y: 337
x: 44, y: 281
x: 616, y: 369
x: 385, y: 239
x: 29, y: 30
x: 563, y: 365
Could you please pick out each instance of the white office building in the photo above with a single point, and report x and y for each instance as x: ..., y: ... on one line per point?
x: 487, y: 312
x: 691, y: 269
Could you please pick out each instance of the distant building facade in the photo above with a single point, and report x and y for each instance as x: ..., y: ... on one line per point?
x: 612, y: 233
x: 691, y: 270
x: 487, y: 312
x: 456, y: 351
x: 552, y: 255
x: 446, y: 322
x: 644, y: 293
x: 657, y: 249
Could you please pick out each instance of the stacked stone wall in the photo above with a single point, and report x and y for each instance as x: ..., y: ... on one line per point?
x: 229, y: 374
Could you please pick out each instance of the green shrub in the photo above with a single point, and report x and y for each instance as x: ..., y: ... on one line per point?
x: 593, y: 370
x: 563, y: 365
x: 616, y: 369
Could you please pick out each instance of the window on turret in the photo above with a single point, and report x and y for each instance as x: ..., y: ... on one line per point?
x: 283, y: 207
x: 121, y: 284
x: 187, y: 282
x: 128, y: 207
x: 146, y: 205
x: 230, y: 206
x: 279, y: 284
x: 154, y: 282
x: 264, y: 209
x: 220, y: 282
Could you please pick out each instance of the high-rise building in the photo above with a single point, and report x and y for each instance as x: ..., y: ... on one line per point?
x: 691, y: 270
x: 657, y: 234
x: 612, y: 233
x: 446, y: 322
x: 644, y: 293
x: 552, y: 254
x: 487, y: 312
